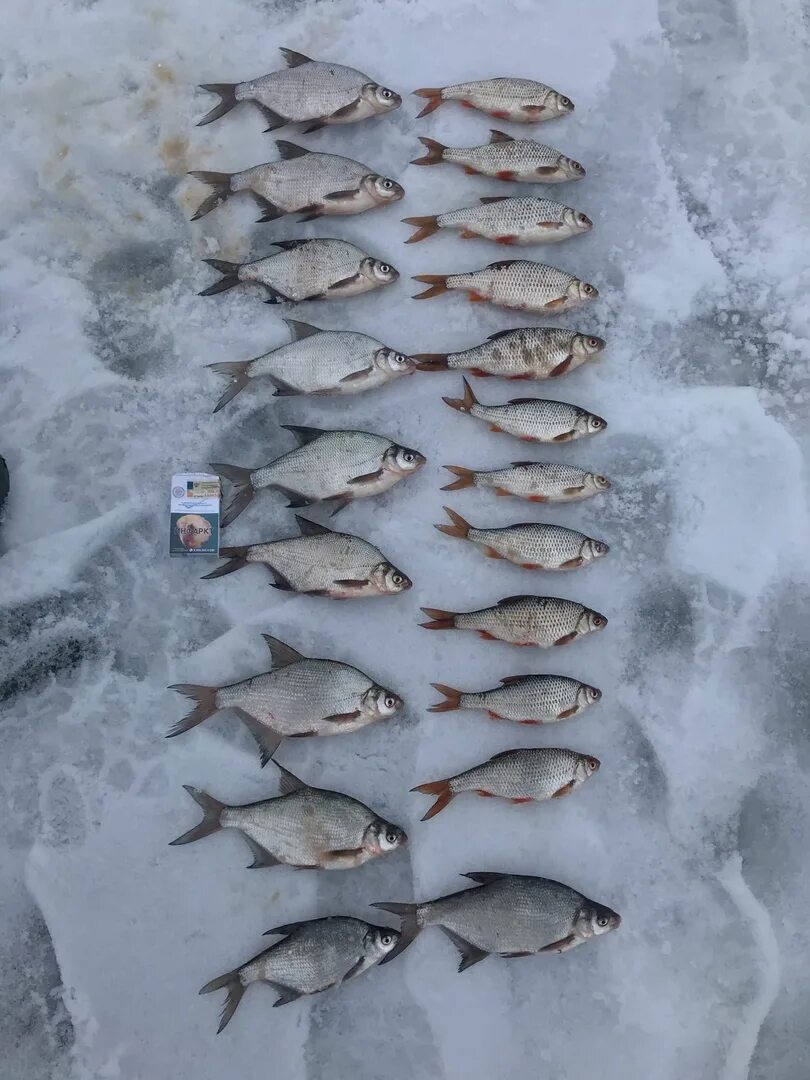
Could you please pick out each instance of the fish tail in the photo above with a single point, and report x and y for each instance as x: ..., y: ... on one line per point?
x: 230, y: 981
x: 431, y: 361
x: 212, y: 810
x: 434, y: 155
x: 434, y: 96
x: 425, y: 227
x: 236, y: 371
x: 410, y: 928
x: 237, y: 558
x: 440, y: 619
x: 464, y: 404
x: 452, y: 698
x: 206, y: 698
x: 229, y: 279
x: 437, y: 283
x: 460, y: 528
x: 439, y: 788
x: 240, y: 478
x: 227, y: 95
x: 221, y: 183
x: 466, y: 478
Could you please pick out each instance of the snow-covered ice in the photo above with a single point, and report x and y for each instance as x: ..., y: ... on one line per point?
x: 691, y: 120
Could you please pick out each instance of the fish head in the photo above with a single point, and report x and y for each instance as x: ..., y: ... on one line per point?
x: 380, y: 99
x: 587, y: 695
x: 580, y: 291
x: 584, y: 346
x: 590, y: 621
x: 382, y: 189
x: 594, y: 423
x: 576, y: 221
x: 586, y: 766
x: 403, y: 460
x: 558, y: 104
x: 381, y: 837
x: 570, y: 168
x: 393, y: 363
x: 595, y: 919
x: 597, y: 482
x: 594, y: 549
x: 387, y: 579
x: 379, y: 272
x: 380, y: 703
x: 378, y: 942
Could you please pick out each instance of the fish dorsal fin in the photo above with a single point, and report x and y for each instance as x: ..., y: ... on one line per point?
x: 499, y: 334
x: 311, y: 528
x: 300, y: 330
x: 304, y: 435
x: 512, y: 599
x: 502, y: 265
x: 287, y: 928
x: 288, y: 782
x: 295, y: 59
x: 522, y: 464
x: 494, y: 198
x: 290, y: 245
x: 511, y: 679
x: 290, y: 149
x: 282, y: 655
x: 523, y: 400
x: 499, y: 136
x: 483, y: 877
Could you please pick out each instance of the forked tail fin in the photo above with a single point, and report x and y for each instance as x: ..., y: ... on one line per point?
x: 233, y: 984
x: 464, y: 404
x: 437, y: 283
x: 206, y: 705
x: 425, y: 227
x: 221, y: 183
x: 434, y: 96
x: 236, y: 371
x: 236, y: 557
x: 434, y: 155
x: 212, y: 811
x: 460, y: 528
x: 439, y: 788
x: 227, y: 95
x: 240, y: 478
x: 229, y: 279
x: 439, y: 619
x: 452, y: 698
x: 466, y: 478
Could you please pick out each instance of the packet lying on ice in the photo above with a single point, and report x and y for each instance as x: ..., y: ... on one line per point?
x: 194, y: 514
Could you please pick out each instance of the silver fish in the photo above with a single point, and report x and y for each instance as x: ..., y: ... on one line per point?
x: 327, y: 466
x: 531, y: 419
x: 518, y: 775
x: 318, y: 362
x: 313, y: 956
x: 303, y: 182
x: 522, y: 620
x: 510, y: 914
x: 532, y: 545
x: 306, y: 827
x: 537, y: 481
x: 526, y: 699
x: 528, y: 352
x: 307, y: 90
x: 514, y: 283
x: 300, y: 696
x: 507, y: 221
x: 318, y: 269
x: 506, y: 158
x: 523, y: 101
x: 319, y: 562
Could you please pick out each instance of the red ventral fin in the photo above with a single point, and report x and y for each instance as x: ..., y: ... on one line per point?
x: 470, y: 171
x: 468, y: 234
x: 505, y: 174
x: 516, y: 802
x: 511, y: 239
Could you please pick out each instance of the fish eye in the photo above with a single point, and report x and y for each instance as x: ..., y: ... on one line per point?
x: 587, y: 289
x: 575, y: 165
x: 584, y: 219
x: 599, y: 620
x: 601, y: 547
x: 593, y: 342
x: 397, y: 579
x: 565, y: 101
x: 593, y: 764
x: 602, y: 481
x: 386, y: 93
x: 391, y: 837
x: 389, y: 702
x: 597, y: 422
x: 399, y: 358
x: 602, y: 920
x: 386, y: 939
x: 407, y: 456
x: 388, y: 183
x: 385, y: 268
x: 595, y: 693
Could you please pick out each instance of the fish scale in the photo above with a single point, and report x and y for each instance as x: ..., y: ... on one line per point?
x: 536, y: 352
x: 521, y: 284
x: 525, y: 773
x: 307, y: 270
x: 550, y: 481
x: 519, y: 100
x: 539, y: 420
x: 532, y: 697
x: 549, y: 547
x: 517, y: 218
x: 536, y: 620
x: 313, y: 563
x: 303, y: 181
x: 312, y: 958
x: 520, y: 157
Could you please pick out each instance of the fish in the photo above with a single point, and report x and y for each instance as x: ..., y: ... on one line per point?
x: 300, y: 696
x: 506, y: 158
x: 306, y: 827
x: 522, y: 776
x: 527, y: 352
x: 327, y: 466
x: 308, y: 91
x: 508, y: 915
x: 530, y: 544
x: 312, y: 956
x: 302, y: 182
x: 507, y: 221
x: 319, y: 562
x: 319, y: 269
x: 537, y: 481
x: 523, y: 101
x: 525, y: 699
x: 513, y: 283
x: 318, y: 362
x: 522, y: 620
x: 531, y: 419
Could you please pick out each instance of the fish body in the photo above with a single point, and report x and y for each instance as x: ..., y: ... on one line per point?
x: 318, y: 362
x: 508, y: 221
x: 514, y: 283
x: 531, y: 419
x: 320, y: 562
x: 537, y: 481
x: 312, y: 184
x: 532, y: 545
x: 523, y: 620
x: 509, y: 914
x: 318, y: 269
x: 518, y: 775
x: 300, y: 696
x: 506, y: 158
x: 307, y: 90
x: 527, y: 352
x: 525, y: 699
x: 313, y: 956
x: 327, y: 466
x: 523, y: 101
x: 306, y: 827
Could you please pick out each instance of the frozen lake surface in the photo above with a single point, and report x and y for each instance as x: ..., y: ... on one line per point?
x: 691, y: 120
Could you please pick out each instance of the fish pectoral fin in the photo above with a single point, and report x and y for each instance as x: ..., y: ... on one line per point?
x: 574, y: 490
x: 355, y: 969
x: 566, y: 436
x: 266, y: 739
x: 344, y: 282
x: 566, y: 713
x: 296, y: 498
x: 335, y: 196
x: 545, y: 170
x: 561, y: 368
x: 470, y: 954
x: 367, y: 478
x: 345, y: 111
x: 547, y: 224
x: 342, y: 718
x: 351, y: 583
x: 566, y: 638
x: 341, y: 853
x: 558, y: 303
x: 261, y: 857
x: 561, y: 945
x: 286, y: 994
x: 269, y: 209
x: 571, y: 564
x: 566, y: 789
x: 361, y: 374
